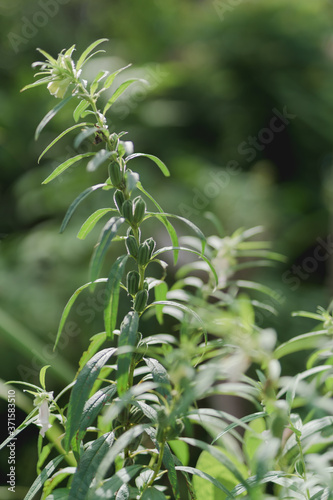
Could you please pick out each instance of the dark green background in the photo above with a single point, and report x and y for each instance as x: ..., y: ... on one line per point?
x: 216, y: 74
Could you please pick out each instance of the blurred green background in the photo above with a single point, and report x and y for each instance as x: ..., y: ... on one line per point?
x: 218, y: 74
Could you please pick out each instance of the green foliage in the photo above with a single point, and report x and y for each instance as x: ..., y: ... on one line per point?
x: 136, y: 402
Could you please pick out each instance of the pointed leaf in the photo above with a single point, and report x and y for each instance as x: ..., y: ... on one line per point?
x: 108, y: 233
x: 68, y: 307
x: 164, y: 169
x: 99, y: 77
x: 303, y: 342
x: 98, y: 159
x: 127, y: 337
x: 87, y: 132
x: 119, y: 91
x: 172, y: 474
x: 221, y: 457
x: 164, y: 220
x: 47, y: 56
x: 76, y: 202
x: 36, y: 83
x: 65, y: 165
x: 123, y: 476
x: 88, y: 466
x: 43, y: 476
x: 59, y: 137
x: 93, y: 407
x: 91, y: 222
x: 42, y: 376
x: 82, y: 106
x: 81, y: 390
x: 160, y: 376
x: 208, y: 477
x: 120, y: 444
x: 83, y: 57
x: 208, y: 262
x: 50, y: 115
x: 112, y: 295
x: 96, y: 341
x: 109, y: 81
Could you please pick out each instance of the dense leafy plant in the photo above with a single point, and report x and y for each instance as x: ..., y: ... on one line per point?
x: 137, y: 402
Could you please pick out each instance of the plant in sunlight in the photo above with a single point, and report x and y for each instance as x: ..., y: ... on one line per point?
x: 126, y: 426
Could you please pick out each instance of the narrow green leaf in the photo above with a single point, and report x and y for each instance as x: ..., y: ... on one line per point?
x: 73, y: 206
x: 117, y: 93
x: 69, y: 306
x: 99, y: 77
x: 221, y: 457
x: 59, y: 137
x: 109, y: 81
x: 164, y: 169
x: 42, y: 376
x: 120, y: 444
x: 306, y: 314
x: 81, y: 391
x: 36, y: 83
x: 82, y: 106
x: 91, y: 222
x: 60, y: 494
x: 47, y: 56
x: 208, y: 477
x: 161, y: 291
x: 195, y: 228
x: 164, y: 220
x: 48, y: 117
x: 240, y: 422
x: 96, y: 341
x: 172, y: 474
x: 167, y: 249
x: 93, y: 407
x: 314, y: 427
x: 303, y: 342
x: 112, y: 485
x: 160, y: 376
x: 98, y: 159
x: 152, y: 493
x: 43, y: 476
x: 108, y: 233
x: 112, y: 295
x: 56, y: 479
x: 88, y: 466
x: 252, y: 285
x: 65, y: 165
x: 87, y: 132
x: 127, y: 337
x: 83, y: 57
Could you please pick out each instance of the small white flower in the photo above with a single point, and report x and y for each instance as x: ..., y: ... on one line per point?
x: 42, y: 401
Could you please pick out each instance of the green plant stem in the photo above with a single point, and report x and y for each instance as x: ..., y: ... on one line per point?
x: 299, y: 444
x: 157, y: 468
